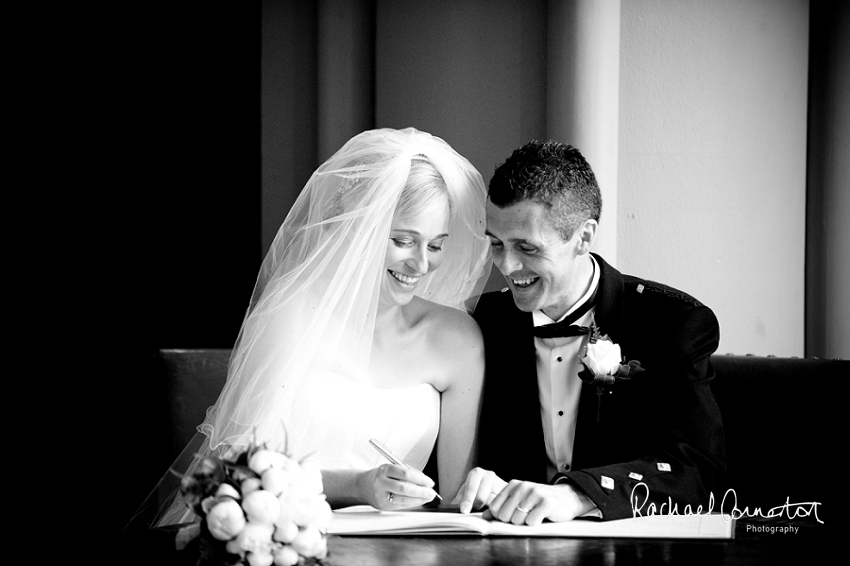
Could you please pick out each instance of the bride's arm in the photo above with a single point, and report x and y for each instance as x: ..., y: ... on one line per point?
x: 460, y: 405
x: 342, y: 487
x: 410, y: 488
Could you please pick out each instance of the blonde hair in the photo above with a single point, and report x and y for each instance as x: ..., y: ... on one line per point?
x: 424, y: 185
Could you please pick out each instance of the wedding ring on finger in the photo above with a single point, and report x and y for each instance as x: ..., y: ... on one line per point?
x: 390, y: 497
x: 521, y: 510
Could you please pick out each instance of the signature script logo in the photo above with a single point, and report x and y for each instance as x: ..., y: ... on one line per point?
x: 646, y: 508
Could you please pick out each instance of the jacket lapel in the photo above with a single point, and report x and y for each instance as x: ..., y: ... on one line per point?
x: 609, y: 304
x: 608, y: 314
x: 528, y: 400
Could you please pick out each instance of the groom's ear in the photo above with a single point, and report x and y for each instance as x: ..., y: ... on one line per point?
x: 586, y: 234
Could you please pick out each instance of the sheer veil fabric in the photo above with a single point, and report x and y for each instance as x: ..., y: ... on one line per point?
x: 314, y: 305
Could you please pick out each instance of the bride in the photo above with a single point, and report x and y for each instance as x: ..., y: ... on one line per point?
x: 358, y: 325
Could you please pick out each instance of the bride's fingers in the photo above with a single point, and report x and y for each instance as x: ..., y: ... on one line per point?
x: 398, y: 486
x: 411, y: 491
x: 398, y: 501
x: 409, y: 475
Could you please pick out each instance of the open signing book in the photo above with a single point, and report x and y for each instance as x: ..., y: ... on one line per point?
x: 368, y: 521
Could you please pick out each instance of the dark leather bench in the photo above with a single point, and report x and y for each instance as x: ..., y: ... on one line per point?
x: 780, y: 419
x: 779, y: 423
x: 187, y: 383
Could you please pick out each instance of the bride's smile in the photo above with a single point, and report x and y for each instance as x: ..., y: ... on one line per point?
x: 414, y: 249
x: 408, y: 280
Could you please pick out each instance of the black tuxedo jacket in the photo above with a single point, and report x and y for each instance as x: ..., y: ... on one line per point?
x: 664, y: 416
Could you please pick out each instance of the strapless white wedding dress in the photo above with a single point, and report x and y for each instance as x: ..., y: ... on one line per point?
x: 332, y: 424
x: 335, y: 418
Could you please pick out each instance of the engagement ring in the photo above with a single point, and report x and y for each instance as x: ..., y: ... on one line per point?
x: 390, y: 497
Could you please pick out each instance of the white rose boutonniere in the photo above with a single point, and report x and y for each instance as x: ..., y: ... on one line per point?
x: 603, y: 364
x: 603, y: 358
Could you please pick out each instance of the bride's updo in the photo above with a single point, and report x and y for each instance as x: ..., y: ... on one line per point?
x: 424, y: 185
x: 354, y: 190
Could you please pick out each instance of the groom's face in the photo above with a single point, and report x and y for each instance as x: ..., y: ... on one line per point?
x: 540, y: 267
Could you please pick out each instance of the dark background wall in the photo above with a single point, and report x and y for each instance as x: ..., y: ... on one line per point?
x: 194, y: 102
x: 206, y: 223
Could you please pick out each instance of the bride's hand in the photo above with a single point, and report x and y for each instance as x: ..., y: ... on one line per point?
x: 391, y: 487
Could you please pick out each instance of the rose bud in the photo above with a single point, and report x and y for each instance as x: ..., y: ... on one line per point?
x: 260, y: 558
x: 226, y: 520
x: 262, y: 507
x: 251, y: 484
x: 208, y: 503
x: 255, y: 538
x: 262, y: 460
x: 307, y: 508
x: 286, y: 515
x: 285, y: 556
x: 227, y: 490
x: 307, y: 542
x: 285, y: 533
x: 275, y: 480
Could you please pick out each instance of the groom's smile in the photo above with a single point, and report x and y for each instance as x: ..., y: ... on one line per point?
x: 544, y: 272
x: 524, y: 282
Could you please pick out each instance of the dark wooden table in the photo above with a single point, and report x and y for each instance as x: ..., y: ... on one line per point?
x: 811, y: 545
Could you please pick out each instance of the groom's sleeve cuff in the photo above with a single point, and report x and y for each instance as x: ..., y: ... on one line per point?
x: 562, y: 479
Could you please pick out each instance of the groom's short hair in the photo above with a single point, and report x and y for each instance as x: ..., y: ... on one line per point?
x: 553, y: 174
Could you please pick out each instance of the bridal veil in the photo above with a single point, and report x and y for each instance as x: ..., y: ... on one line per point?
x: 316, y: 297
x: 317, y: 293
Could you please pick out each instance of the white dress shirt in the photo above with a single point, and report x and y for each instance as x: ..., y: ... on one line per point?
x: 558, y: 365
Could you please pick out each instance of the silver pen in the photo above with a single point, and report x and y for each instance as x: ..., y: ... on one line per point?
x: 385, y: 452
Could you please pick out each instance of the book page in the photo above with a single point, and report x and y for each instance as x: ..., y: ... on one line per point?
x: 365, y: 520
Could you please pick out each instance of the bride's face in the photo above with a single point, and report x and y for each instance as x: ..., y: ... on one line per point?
x: 414, y: 249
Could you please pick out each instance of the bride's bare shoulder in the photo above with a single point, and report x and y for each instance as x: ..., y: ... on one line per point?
x: 453, y: 329
x: 455, y: 345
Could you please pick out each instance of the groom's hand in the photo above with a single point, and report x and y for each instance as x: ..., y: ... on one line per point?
x: 479, y: 489
x: 529, y: 503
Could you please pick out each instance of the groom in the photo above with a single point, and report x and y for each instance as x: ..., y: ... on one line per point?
x: 596, y: 399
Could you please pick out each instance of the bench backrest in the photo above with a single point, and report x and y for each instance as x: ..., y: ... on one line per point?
x: 782, y: 435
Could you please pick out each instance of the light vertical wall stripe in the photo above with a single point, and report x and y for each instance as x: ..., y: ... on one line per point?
x: 582, y: 96
x: 712, y: 191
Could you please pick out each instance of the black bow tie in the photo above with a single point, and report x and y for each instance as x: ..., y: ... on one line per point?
x: 566, y: 328
x: 560, y: 330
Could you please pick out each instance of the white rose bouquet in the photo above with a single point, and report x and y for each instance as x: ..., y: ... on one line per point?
x: 259, y: 509
x: 603, y: 364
